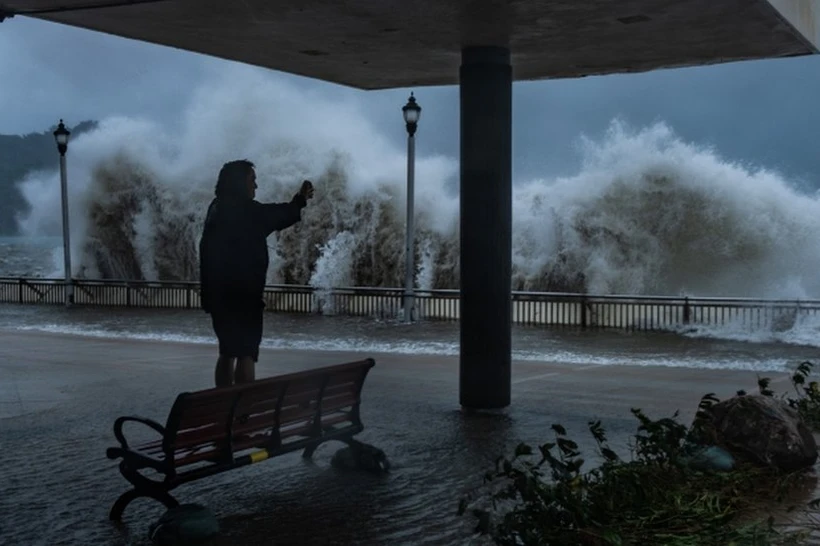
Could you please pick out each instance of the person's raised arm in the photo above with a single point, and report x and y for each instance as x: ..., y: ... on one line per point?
x: 279, y: 216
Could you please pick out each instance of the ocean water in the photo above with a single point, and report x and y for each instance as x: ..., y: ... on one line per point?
x: 30, y: 256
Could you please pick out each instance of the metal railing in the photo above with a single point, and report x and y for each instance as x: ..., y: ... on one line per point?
x: 649, y: 313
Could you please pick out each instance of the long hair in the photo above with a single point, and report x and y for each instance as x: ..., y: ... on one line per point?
x: 233, y: 179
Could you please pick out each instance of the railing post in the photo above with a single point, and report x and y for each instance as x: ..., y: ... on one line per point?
x: 127, y: 295
x: 188, y: 296
x: 687, y: 311
x: 584, y: 312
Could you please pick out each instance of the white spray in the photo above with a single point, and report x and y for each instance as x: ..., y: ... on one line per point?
x: 647, y: 212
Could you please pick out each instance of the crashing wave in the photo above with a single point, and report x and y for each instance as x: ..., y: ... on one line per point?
x: 646, y: 214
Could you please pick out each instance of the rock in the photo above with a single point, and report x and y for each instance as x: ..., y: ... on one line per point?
x: 762, y: 429
x: 359, y: 456
x: 184, y: 525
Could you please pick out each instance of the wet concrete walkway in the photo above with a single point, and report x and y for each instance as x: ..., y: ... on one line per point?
x: 60, y: 394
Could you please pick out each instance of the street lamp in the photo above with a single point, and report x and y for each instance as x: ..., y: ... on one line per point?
x: 411, y: 112
x: 61, y: 135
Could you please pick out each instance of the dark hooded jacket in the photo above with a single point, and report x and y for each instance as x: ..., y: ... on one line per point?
x: 233, y: 251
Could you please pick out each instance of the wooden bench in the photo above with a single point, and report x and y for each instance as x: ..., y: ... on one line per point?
x: 215, y: 430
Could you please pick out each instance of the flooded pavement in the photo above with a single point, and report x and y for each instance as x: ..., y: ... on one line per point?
x: 362, y: 334
x: 61, y: 393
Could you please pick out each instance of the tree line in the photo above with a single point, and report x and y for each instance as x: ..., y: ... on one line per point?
x: 19, y: 156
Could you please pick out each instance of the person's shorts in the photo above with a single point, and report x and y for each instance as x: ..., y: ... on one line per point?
x: 239, y: 332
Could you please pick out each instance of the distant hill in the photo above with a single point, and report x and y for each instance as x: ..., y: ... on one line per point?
x: 19, y: 155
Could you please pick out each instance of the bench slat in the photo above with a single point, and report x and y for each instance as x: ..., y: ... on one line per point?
x: 336, y: 419
x: 303, y: 430
x: 338, y: 403
x: 300, y: 397
x: 250, y: 443
x: 345, y: 376
x: 301, y: 401
x: 196, y: 421
x: 306, y: 384
x: 295, y: 413
x: 198, y: 457
x: 191, y: 439
x: 340, y: 389
x: 195, y: 412
x: 260, y: 422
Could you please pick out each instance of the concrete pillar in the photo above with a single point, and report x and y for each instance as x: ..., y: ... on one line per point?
x: 486, y: 227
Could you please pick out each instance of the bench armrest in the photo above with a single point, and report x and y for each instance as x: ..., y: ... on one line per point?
x: 145, y: 421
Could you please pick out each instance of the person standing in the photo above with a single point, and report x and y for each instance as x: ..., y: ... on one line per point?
x: 233, y: 265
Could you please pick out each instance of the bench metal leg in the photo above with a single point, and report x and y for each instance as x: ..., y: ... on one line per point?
x: 143, y: 487
x: 376, y: 458
x: 360, y: 456
x: 126, y: 498
x: 119, y: 506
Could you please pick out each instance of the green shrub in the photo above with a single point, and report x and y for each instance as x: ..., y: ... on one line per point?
x: 807, y: 402
x: 542, y: 496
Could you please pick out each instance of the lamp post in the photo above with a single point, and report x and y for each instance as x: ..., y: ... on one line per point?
x: 411, y: 112
x: 61, y: 135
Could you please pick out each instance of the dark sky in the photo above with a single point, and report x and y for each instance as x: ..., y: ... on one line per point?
x: 763, y: 112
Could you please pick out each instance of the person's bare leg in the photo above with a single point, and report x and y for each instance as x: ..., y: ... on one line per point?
x: 224, y: 373
x: 245, y: 370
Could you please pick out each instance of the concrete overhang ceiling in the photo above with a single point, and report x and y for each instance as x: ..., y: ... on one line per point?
x: 378, y: 44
